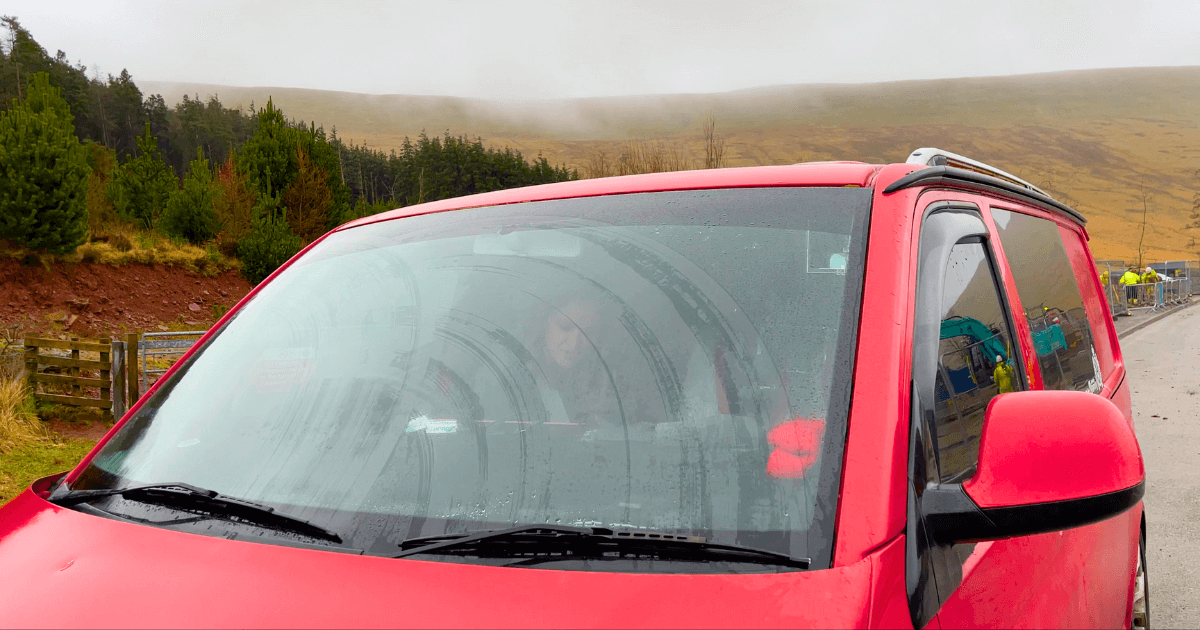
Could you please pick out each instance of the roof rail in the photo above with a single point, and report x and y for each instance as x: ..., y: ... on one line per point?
x: 974, y: 180
x: 929, y: 156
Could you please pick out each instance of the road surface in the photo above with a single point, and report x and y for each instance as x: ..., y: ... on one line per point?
x: 1163, y: 363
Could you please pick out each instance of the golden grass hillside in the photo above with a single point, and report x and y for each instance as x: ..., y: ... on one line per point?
x: 1109, y: 142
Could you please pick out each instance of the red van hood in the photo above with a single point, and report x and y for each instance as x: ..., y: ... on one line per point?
x: 63, y: 568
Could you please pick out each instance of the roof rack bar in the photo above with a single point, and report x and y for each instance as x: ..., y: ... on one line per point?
x: 929, y: 156
x: 963, y: 178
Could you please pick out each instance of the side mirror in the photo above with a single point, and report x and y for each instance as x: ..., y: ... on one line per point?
x: 1048, y: 461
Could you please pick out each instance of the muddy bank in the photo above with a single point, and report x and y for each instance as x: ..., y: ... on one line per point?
x: 91, y: 300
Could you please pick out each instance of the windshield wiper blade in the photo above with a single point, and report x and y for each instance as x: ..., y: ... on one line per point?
x: 67, y: 498
x: 596, y: 541
x: 209, y: 501
x: 445, y: 541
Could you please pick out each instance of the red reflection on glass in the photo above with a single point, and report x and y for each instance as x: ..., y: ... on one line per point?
x: 795, y: 443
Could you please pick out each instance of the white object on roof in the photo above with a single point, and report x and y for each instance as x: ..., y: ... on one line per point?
x: 929, y: 156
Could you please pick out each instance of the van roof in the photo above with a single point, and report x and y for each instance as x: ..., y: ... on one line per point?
x: 823, y: 174
x: 856, y: 174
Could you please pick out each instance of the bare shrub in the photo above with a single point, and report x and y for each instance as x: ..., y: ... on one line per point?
x: 12, y: 363
x: 1144, y: 194
x: 714, y: 147
x: 651, y: 156
x: 599, y: 164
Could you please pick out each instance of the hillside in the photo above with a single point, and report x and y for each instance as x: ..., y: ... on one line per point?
x: 92, y: 300
x: 1099, y: 139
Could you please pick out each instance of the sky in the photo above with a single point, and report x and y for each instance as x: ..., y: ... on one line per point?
x: 530, y: 50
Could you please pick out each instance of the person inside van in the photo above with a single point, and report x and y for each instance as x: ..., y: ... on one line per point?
x: 567, y: 366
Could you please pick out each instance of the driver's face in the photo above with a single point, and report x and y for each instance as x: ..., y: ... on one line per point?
x: 565, y: 339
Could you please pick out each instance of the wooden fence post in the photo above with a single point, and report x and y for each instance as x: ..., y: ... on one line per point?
x: 106, y: 375
x: 31, y: 364
x: 118, y: 379
x: 131, y: 371
x: 74, y: 370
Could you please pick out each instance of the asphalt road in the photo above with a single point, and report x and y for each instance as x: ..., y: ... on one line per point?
x: 1163, y: 362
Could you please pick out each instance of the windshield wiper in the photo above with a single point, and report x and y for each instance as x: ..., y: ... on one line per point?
x: 177, y: 494
x: 594, y: 542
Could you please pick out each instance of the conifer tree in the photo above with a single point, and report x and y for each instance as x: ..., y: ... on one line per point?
x: 103, y: 163
x: 233, y: 202
x: 308, y: 198
x: 269, y: 157
x: 189, y: 213
x: 269, y: 244
x: 43, y: 172
x: 127, y: 111
x: 142, y: 185
x: 270, y: 160
x: 324, y: 157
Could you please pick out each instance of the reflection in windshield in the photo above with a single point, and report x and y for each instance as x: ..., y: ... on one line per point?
x: 497, y: 367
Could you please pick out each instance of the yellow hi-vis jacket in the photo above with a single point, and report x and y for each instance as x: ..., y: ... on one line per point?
x: 1003, y: 376
x: 1130, y: 277
x: 1149, y: 276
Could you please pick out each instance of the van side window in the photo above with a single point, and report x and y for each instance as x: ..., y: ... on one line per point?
x: 975, y: 361
x: 1096, y: 304
x: 1049, y: 292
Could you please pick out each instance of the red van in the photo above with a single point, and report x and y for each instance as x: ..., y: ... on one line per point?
x: 820, y: 395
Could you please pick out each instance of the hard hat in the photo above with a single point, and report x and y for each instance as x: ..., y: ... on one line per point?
x: 999, y: 358
x: 1149, y: 268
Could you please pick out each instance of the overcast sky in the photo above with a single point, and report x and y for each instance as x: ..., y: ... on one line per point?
x: 560, y: 49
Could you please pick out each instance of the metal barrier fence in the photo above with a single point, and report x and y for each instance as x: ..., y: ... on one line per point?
x: 1144, y: 297
x: 162, y: 345
x: 1177, y: 269
x: 1110, y: 278
x: 1174, y: 286
x: 1176, y: 290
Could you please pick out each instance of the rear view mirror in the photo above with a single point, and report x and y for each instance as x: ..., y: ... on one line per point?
x: 1048, y: 461
x: 535, y: 243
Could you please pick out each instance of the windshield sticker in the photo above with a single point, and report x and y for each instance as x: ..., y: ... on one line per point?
x: 431, y: 425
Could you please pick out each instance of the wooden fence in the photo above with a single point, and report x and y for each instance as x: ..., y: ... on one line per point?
x: 114, y: 376
x: 63, y: 374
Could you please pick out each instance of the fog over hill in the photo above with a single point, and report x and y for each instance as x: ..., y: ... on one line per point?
x: 1098, y: 139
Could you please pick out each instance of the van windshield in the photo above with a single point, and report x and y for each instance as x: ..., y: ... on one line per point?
x: 676, y: 362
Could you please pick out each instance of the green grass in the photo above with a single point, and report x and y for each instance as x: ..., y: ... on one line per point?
x: 33, y: 460
x: 28, y: 449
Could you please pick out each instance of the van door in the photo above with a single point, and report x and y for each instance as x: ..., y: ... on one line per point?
x: 963, y: 356
x: 1079, y: 577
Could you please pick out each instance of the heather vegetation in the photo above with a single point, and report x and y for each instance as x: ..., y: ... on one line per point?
x: 92, y: 168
